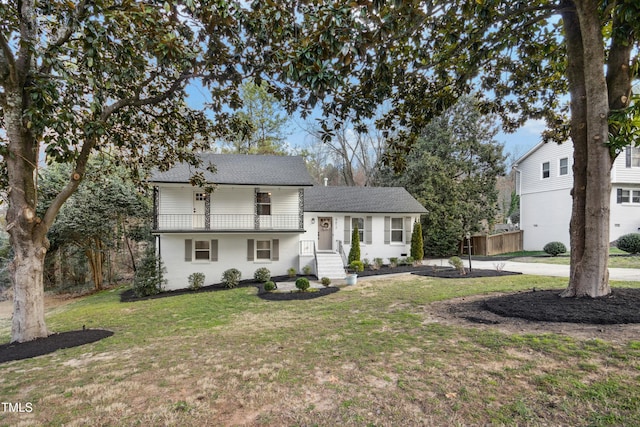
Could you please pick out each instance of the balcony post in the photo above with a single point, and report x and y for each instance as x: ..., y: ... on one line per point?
x: 156, y: 200
x: 207, y: 211
x: 301, y: 208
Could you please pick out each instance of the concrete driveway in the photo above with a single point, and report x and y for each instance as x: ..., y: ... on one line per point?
x: 538, y: 269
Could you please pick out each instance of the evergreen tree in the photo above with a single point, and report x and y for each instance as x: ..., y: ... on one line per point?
x: 417, y: 243
x: 354, y: 252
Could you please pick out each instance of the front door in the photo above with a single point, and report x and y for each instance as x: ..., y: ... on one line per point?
x: 198, y: 210
x: 325, y: 234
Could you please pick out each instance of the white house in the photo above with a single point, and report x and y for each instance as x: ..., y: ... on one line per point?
x: 544, y: 179
x: 265, y: 212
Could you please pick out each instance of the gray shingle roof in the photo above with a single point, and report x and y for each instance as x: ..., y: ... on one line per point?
x: 360, y: 199
x: 243, y: 169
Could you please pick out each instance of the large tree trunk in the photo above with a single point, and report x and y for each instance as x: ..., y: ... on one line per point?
x: 27, y: 233
x: 590, y: 130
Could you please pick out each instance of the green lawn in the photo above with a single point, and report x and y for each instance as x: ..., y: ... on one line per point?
x: 371, y: 354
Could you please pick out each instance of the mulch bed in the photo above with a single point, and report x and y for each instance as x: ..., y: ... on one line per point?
x: 130, y: 296
x: 40, y: 346
x: 295, y: 296
x: 451, y: 273
x: 621, y: 306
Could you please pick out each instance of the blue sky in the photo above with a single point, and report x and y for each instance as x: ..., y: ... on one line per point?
x: 515, y: 144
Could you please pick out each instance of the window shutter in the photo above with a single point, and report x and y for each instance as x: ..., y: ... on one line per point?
x: 619, y: 193
x: 187, y: 249
x: 275, y: 250
x: 214, y: 250
x: 347, y: 230
x: 407, y: 230
x: 249, y: 249
x: 387, y: 230
x: 367, y: 230
x: 627, y: 155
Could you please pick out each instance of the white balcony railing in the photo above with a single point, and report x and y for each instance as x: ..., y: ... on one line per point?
x: 241, y: 222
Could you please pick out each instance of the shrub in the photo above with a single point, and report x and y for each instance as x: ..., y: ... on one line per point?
x: 366, y: 263
x: 325, y: 281
x: 629, y: 243
x: 231, y: 277
x: 262, y: 274
x: 405, y: 261
x: 417, y: 243
x: 149, y: 278
x: 303, y: 284
x: 554, y: 248
x: 356, y: 266
x: 196, y: 280
x: 292, y: 272
x: 306, y: 270
x: 456, y: 263
x: 354, y: 252
x: 377, y: 263
x: 269, y: 286
x: 393, y: 262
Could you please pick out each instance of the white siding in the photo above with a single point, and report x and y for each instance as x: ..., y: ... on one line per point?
x: 530, y: 168
x: 232, y: 201
x: 176, y: 200
x: 377, y: 248
x: 622, y: 174
x: 232, y: 253
x: 625, y: 217
x: 545, y: 218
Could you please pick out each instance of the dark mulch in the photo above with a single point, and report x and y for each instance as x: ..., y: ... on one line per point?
x: 385, y: 269
x: 40, y: 346
x: 130, y: 296
x: 621, y: 306
x: 451, y: 273
x: 294, y: 295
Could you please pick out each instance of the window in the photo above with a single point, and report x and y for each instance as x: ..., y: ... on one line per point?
x: 635, y: 157
x: 201, y: 197
x: 263, y: 249
x: 628, y: 196
x: 545, y: 170
x: 263, y: 201
x: 358, y: 222
x: 397, y: 230
x: 202, y: 250
x: 564, y: 166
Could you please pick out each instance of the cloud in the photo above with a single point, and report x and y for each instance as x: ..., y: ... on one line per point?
x: 534, y: 127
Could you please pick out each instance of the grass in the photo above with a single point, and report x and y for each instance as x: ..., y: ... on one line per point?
x: 368, y: 355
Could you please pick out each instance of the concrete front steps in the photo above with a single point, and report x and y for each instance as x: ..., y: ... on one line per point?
x: 329, y: 264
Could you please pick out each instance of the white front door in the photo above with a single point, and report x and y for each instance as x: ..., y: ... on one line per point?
x: 198, y: 209
x: 325, y: 233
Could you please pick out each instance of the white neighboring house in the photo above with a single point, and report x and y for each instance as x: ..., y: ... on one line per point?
x: 544, y: 179
x: 265, y: 212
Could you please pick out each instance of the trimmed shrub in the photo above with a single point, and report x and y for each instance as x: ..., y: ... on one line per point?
x: 366, y: 262
x: 303, y: 284
x: 629, y: 243
x: 196, y: 280
x: 149, y: 278
x: 231, y: 277
x: 456, y: 263
x: 262, y: 274
x: 354, y: 252
x: 377, y: 263
x: 306, y: 270
x: 393, y: 262
x: 554, y: 248
x: 325, y: 281
x: 269, y: 286
x: 292, y: 272
x: 356, y: 266
x: 417, y: 243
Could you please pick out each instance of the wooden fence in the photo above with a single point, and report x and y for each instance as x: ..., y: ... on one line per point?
x: 495, y: 244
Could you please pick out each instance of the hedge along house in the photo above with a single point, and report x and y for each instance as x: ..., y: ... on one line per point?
x: 265, y: 212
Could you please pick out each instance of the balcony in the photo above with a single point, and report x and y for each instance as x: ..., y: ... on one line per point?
x: 226, y: 223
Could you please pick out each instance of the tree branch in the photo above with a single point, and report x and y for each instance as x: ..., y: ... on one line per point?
x: 67, y: 31
x: 7, y: 61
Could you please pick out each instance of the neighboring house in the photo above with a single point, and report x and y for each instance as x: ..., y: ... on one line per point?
x: 544, y: 179
x: 264, y: 212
